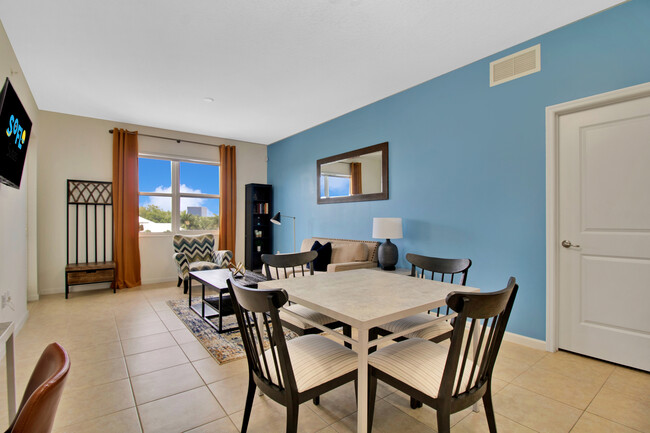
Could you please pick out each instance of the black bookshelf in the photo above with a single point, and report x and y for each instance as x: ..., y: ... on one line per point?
x: 259, y: 230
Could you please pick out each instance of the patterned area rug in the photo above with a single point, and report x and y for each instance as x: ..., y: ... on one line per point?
x: 224, y: 347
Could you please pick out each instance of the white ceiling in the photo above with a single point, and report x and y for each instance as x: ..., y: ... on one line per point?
x: 273, y: 67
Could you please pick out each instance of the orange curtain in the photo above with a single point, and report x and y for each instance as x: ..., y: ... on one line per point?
x: 125, y: 209
x: 355, y: 178
x: 228, y: 201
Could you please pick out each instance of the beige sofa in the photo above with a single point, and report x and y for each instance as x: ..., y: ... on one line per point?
x: 347, y: 254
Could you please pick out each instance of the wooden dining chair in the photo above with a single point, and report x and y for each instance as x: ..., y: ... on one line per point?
x: 290, y: 265
x: 449, y: 380
x: 289, y: 372
x: 433, y: 268
x: 436, y: 269
x: 43, y: 392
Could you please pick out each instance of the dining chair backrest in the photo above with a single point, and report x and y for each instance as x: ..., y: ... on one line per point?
x: 260, y: 327
x: 467, y: 370
x: 43, y: 392
x: 439, y: 269
x: 449, y: 268
x: 297, y: 262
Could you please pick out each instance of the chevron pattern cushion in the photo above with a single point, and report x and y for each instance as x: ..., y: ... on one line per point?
x: 203, y: 266
x: 197, y: 253
x: 222, y: 258
x: 196, y: 248
x: 315, y: 360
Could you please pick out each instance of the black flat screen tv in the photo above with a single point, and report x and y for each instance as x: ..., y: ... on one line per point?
x: 15, y: 127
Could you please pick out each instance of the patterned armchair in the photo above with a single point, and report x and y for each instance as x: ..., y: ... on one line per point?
x: 196, y: 253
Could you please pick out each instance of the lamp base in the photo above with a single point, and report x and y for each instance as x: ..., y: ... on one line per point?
x: 387, y: 255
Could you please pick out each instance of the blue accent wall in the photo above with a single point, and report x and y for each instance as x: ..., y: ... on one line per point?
x: 467, y: 161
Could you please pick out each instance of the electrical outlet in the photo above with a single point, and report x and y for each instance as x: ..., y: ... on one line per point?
x: 5, y: 299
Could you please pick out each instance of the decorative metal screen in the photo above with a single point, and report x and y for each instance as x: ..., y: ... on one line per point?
x: 89, y: 192
x: 89, y: 221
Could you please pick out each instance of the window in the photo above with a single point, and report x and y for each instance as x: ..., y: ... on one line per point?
x: 178, y: 196
x: 334, y: 186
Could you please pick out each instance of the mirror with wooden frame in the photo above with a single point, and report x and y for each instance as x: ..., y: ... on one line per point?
x: 358, y: 175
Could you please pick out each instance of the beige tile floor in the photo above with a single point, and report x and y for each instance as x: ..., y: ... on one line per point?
x: 135, y: 368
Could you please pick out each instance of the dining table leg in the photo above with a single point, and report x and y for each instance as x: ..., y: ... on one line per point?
x: 362, y: 369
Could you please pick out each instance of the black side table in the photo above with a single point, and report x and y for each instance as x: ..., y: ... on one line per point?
x: 220, y: 305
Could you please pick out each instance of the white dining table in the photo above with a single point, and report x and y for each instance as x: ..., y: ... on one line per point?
x: 363, y: 299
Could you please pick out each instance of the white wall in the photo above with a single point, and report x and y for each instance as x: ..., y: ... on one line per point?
x: 370, y: 175
x: 17, y: 207
x: 76, y: 147
x: 341, y: 168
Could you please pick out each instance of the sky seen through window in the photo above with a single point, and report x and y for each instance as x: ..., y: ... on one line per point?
x: 155, y: 176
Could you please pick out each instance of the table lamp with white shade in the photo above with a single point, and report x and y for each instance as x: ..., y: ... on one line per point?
x: 387, y: 228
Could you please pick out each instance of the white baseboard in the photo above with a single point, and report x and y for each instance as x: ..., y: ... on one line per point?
x: 169, y: 278
x: 50, y: 291
x: 533, y: 343
x: 80, y: 288
x: 101, y: 286
x: 20, y: 323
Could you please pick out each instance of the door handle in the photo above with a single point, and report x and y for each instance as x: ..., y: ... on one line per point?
x: 568, y: 244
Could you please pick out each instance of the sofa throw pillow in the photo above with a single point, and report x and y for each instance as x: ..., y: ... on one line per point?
x: 316, y: 245
x: 324, y: 256
x: 344, y: 252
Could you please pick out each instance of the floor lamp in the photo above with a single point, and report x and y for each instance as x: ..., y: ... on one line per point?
x: 277, y: 219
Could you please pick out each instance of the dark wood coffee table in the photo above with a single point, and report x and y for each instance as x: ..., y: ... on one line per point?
x: 214, y: 308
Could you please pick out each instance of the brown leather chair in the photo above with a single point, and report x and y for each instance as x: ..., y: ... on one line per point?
x: 43, y: 393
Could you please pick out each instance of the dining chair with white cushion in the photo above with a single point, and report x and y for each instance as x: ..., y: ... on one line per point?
x: 282, y: 266
x: 289, y: 372
x: 433, y: 268
x: 449, y: 380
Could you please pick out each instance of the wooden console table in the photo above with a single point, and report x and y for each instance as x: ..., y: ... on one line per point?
x: 88, y: 273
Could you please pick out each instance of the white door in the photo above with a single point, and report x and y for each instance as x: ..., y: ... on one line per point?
x: 604, y: 227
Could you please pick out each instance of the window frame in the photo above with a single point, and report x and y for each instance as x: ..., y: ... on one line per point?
x: 326, y: 183
x: 176, y: 194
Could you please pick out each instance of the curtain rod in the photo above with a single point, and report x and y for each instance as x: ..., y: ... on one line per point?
x: 177, y: 140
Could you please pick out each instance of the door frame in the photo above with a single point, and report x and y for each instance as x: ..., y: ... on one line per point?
x: 553, y: 114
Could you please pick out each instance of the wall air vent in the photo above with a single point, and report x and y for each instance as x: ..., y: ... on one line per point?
x: 515, y: 65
